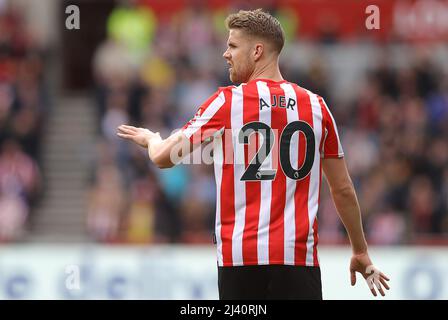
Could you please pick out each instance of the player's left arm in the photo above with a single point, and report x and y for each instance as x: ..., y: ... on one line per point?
x: 347, y: 206
x: 164, y: 153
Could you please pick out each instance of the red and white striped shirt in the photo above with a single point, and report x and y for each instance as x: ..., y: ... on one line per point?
x: 267, y: 201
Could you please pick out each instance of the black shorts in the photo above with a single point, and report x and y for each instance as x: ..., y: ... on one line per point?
x: 269, y: 282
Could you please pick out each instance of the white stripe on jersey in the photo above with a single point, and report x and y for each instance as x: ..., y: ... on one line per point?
x: 340, y: 151
x: 205, y: 116
x: 239, y: 168
x: 218, y: 159
x: 266, y: 185
x: 290, y: 207
x: 313, y: 192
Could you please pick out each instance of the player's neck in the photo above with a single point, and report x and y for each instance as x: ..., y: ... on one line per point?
x: 269, y: 71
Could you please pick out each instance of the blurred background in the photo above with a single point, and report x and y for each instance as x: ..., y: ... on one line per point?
x: 76, y: 201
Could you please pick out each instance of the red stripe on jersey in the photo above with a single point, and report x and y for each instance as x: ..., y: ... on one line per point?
x: 302, y: 187
x: 253, y: 188
x: 201, y: 127
x: 276, y: 227
x: 227, y: 188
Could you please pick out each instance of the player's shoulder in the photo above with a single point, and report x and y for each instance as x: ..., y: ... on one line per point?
x: 226, y: 89
x: 225, y: 93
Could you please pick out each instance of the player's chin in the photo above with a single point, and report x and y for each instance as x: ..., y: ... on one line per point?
x: 233, y: 77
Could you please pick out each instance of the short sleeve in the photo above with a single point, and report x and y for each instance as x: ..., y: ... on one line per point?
x: 208, y: 120
x: 332, y: 147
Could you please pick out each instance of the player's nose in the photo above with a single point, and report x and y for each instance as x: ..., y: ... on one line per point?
x: 226, y: 55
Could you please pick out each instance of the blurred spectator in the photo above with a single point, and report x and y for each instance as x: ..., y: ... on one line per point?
x: 13, y: 214
x: 19, y: 186
x: 140, y: 221
x: 198, y: 206
x: 388, y: 228
x: 133, y: 26
x: 106, y: 204
x: 422, y: 204
x: 23, y: 108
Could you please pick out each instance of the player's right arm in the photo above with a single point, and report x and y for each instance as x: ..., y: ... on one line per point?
x: 166, y: 153
x: 346, y: 202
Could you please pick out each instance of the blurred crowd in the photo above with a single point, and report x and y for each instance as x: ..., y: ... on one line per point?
x: 155, y: 78
x: 394, y: 133
x: 23, y: 106
x: 395, y: 136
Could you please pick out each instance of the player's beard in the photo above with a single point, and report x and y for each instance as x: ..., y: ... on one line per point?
x: 241, y: 73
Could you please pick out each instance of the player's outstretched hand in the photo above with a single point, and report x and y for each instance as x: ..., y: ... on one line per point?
x: 375, y: 278
x: 140, y: 136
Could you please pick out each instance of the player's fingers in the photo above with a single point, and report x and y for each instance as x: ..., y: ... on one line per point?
x: 372, y: 289
x: 126, y: 129
x: 124, y: 135
x: 371, y: 286
x: 122, y: 129
x: 128, y: 126
x: 382, y: 275
x: 353, y: 277
x: 384, y: 283
x: 380, y: 289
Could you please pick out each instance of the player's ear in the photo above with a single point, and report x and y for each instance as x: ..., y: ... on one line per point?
x: 258, y: 51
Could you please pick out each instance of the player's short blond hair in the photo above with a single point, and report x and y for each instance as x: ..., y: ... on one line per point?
x: 260, y: 24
